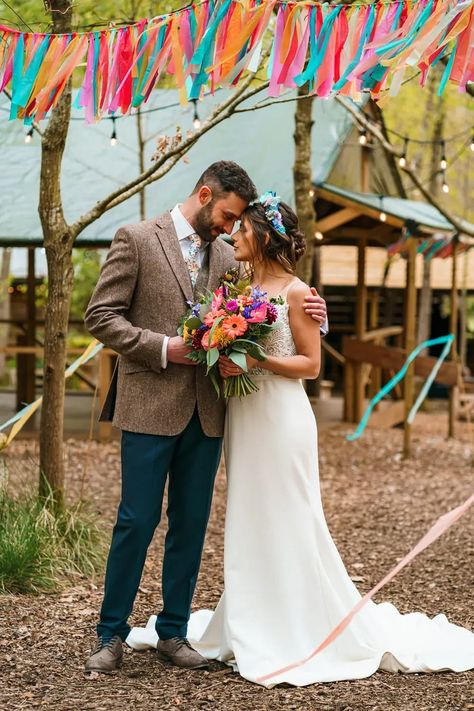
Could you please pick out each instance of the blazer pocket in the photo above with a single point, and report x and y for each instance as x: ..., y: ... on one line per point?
x: 131, y: 366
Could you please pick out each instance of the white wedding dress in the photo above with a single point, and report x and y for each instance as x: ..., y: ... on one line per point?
x: 286, y: 586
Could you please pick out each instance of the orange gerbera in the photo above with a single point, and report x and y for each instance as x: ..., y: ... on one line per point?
x: 234, y: 326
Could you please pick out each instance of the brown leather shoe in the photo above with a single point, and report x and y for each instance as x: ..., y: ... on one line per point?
x: 179, y: 652
x: 106, y: 657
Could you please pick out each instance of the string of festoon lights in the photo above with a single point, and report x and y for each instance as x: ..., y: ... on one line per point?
x: 113, y: 136
x: 363, y: 140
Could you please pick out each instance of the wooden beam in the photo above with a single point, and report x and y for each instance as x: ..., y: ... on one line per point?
x: 381, y: 233
x: 390, y: 415
x: 364, y: 209
x: 336, y: 219
x: 392, y: 359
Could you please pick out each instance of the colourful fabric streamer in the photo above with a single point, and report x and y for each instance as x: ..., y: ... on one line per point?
x: 399, y: 376
x: 22, y: 417
x: 346, y: 48
x: 441, y: 525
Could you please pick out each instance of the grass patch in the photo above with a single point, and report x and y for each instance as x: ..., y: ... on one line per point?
x: 41, y: 551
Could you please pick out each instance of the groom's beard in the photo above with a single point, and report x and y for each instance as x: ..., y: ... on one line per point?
x: 204, y: 225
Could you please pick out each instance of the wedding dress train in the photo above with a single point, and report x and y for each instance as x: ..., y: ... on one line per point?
x: 286, y: 586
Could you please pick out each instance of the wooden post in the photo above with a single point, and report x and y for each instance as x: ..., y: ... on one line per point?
x: 26, y: 387
x: 105, y: 377
x: 376, y: 372
x: 410, y: 324
x: 453, y: 328
x: 349, y: 391
x: 360, y: 328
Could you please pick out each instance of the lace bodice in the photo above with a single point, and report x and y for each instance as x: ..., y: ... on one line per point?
x: 279, y: 342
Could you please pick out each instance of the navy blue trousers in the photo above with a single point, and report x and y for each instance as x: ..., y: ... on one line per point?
x: 191, y: 460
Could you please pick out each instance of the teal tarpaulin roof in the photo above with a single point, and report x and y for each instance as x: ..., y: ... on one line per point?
x: 261, y: 141
x: 423, y: 214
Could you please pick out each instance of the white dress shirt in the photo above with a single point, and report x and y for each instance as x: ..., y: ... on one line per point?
x: 184, y: 231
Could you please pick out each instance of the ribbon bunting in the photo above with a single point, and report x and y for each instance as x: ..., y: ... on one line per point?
x: 345, y: 48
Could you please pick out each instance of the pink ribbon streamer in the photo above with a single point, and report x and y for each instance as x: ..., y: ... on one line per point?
x: 442, y: 524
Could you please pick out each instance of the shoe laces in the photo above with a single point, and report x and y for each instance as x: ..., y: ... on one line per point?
x: 105, y: 643
x: 182, y: 642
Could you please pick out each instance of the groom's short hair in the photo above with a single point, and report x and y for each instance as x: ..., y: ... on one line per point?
x: 225, y: 177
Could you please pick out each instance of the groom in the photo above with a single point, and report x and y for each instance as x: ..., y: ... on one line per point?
x: 171, y: 421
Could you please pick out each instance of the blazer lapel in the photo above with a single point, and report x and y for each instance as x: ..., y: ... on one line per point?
x: 166, y: 233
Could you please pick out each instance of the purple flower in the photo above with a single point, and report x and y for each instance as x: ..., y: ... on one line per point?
x: 247, y: 312
x: 258, y: 294
x: 232, y: 305
x: 272, y: 313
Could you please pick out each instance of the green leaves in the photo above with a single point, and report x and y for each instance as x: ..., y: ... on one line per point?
x: 239, y: 359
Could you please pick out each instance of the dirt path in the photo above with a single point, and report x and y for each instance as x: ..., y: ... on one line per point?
x: 377, y: 507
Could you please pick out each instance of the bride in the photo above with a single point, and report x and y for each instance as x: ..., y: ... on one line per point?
x: 286, y: 586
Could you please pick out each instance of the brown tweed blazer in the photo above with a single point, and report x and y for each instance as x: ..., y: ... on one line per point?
x: 139, y: 298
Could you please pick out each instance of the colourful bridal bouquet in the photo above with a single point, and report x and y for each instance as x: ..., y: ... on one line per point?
x: 229, y: 321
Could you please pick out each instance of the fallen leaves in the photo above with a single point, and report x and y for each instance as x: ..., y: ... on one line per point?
x: 377, y: 505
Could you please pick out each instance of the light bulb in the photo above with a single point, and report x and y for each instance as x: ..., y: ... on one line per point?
x: 318, y: 235
x: 402, y: 161
x: 363, y: 138
x: 29, y: 135
x: 113, y: 137
x: 383, y: 217
x: 311, y: 193
x: 445, y: 188
x: 443, y: 164
x: 472, y: 144
x: 196, y: 119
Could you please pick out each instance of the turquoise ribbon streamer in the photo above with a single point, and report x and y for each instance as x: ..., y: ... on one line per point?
x: 430, y: 379
x: 318, y: 45
x: 17, y: 73
x: 203, y: 54
x: 72, y: 368
x: 399, y: 376
x: 447, y: 71
x: 364, y: 37
x: 24, y: 86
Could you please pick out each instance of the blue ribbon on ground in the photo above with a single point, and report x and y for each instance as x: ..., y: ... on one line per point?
x: 447, y: 341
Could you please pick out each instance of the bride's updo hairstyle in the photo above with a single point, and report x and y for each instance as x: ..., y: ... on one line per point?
x: 285, y: 246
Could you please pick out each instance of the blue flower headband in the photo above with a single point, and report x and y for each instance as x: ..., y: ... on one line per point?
x: 271, y: 202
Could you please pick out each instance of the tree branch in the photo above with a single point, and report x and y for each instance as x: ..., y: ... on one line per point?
x: 378, y: 135
x: 222, y: 112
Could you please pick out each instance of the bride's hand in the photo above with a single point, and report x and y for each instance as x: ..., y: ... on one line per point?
x: 228, y: 368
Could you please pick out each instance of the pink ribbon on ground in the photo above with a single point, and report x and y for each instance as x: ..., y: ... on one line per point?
x: 442, y: 524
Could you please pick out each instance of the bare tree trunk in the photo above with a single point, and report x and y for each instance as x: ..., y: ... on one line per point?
x: 4, y: 305
x: 58, y: 243
x: 303, y: 183
x: 426, y: 296
x: 141, y: 162
x: 309, y: 266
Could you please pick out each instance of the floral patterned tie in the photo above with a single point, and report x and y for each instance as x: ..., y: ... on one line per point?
x: 192, y: 261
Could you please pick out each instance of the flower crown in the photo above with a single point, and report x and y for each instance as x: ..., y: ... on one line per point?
x: 271, y: 202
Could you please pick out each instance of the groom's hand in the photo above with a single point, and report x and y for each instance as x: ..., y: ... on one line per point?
x: 315, y: 306
x: 177, y: 351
